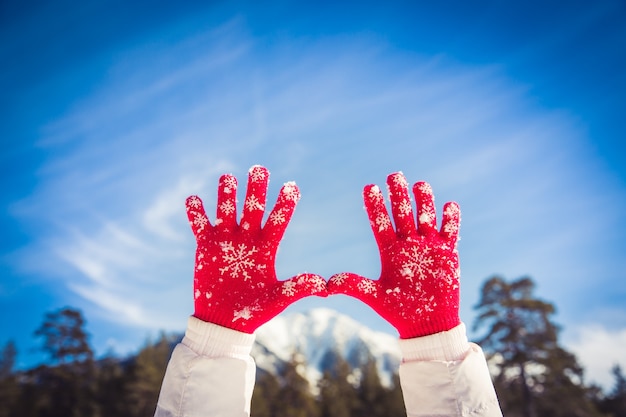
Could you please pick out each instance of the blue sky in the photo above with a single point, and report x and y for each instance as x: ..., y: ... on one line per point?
x: 114, y: 114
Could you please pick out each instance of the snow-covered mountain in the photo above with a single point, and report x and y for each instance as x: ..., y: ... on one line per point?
x: 316, y: 337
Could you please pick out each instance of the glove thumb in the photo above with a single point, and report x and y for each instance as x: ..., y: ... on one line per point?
x: 355, y: 286
x: 300, y: 286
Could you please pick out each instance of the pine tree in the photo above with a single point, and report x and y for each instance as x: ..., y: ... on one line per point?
x: 338, y: 396
x: 66, y: 387
x: 64, y: 337
x: 111, y: 387
x: 265, y: 397
x: 615, y: 403
x: 536, y: 376
x: 370, y: 392
x: 146, y: 376
x: 9, y: 388
x: 394, y: 400
x: 295, y: 398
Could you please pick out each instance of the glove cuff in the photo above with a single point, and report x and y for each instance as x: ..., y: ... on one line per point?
x: 429, y: 325
x: 215, y: 316
x: 209, y: 339
x: 451, y: 345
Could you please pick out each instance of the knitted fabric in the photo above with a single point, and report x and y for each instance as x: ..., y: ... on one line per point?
x: 235, y: 282
x: 418, y: 288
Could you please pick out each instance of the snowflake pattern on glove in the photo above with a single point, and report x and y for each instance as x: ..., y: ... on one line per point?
x: 235, y: 283
x: 277, y: 217
x: 414, y: 263
x: 239, y: 261
x: 418, y: 288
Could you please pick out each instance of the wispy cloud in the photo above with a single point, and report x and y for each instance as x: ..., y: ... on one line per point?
x: 599, y: 349
x: 332, y: 114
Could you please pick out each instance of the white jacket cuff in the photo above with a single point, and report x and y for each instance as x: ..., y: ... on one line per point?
x: 451, y: 345
x: 212, y: 340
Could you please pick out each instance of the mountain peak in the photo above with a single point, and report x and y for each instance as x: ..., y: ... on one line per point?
x: 319, y: 333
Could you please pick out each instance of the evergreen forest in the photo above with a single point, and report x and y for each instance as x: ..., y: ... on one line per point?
x: 534, y: 375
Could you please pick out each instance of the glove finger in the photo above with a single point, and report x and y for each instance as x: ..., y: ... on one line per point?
x: 227, y: 202
x: 401, y: 205
x: 300, y: 286
x: 354, y: 285
x: 425, y: 201
x: 196, y: 215
x: 285, y: 293
x: 378, y: 216
x: 254, y: 205
x: 451, y: 223
x: 283, y: 210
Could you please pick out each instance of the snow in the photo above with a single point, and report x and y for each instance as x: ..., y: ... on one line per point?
x: 244, y: 314
x: 318, y: 332
x: 229, y: 184
x: 290, y: 191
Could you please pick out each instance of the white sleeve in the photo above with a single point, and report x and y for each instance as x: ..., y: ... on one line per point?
x: 210, y: 373
x: 445, y: 375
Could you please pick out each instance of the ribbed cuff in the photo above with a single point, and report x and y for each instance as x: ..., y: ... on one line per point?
x: 436, y: 323
x: 451, y: 345
x: 208, y: 339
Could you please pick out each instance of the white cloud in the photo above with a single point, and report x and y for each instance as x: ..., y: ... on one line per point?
x: 598, y: 349
x: 331, y: 115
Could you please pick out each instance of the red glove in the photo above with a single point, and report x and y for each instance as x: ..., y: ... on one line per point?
x: 418, y: 288
x: 235, y: 281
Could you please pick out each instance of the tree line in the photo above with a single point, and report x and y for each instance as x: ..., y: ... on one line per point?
x: 534, y: 375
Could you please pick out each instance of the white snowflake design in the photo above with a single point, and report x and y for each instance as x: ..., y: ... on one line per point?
x: 452, y: 211
x: 451, y: 227
x: 417, y: 263
x: 426, y: 188
x: 405, y: 208
x: 340, y: 278
x: 367, y: 287
x: 227, y: 207
x: 194, y: 202
x: 318, y: 285
x: 278, y: 217
x: 244, y: 314
x: 400, y: 180
x: 290, y: 191
x: 427, y: 217
x: 382, y: 222
x: 257, y: 173
x: 200, y: 221
x: 238, y: 261
x: 229, y: 184
x: 253, y: 203
x: 289, y: 288
x: 375, y: 193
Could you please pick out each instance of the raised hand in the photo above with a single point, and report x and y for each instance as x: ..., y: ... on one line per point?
x: 235, y: 282
x: 418, y: 288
